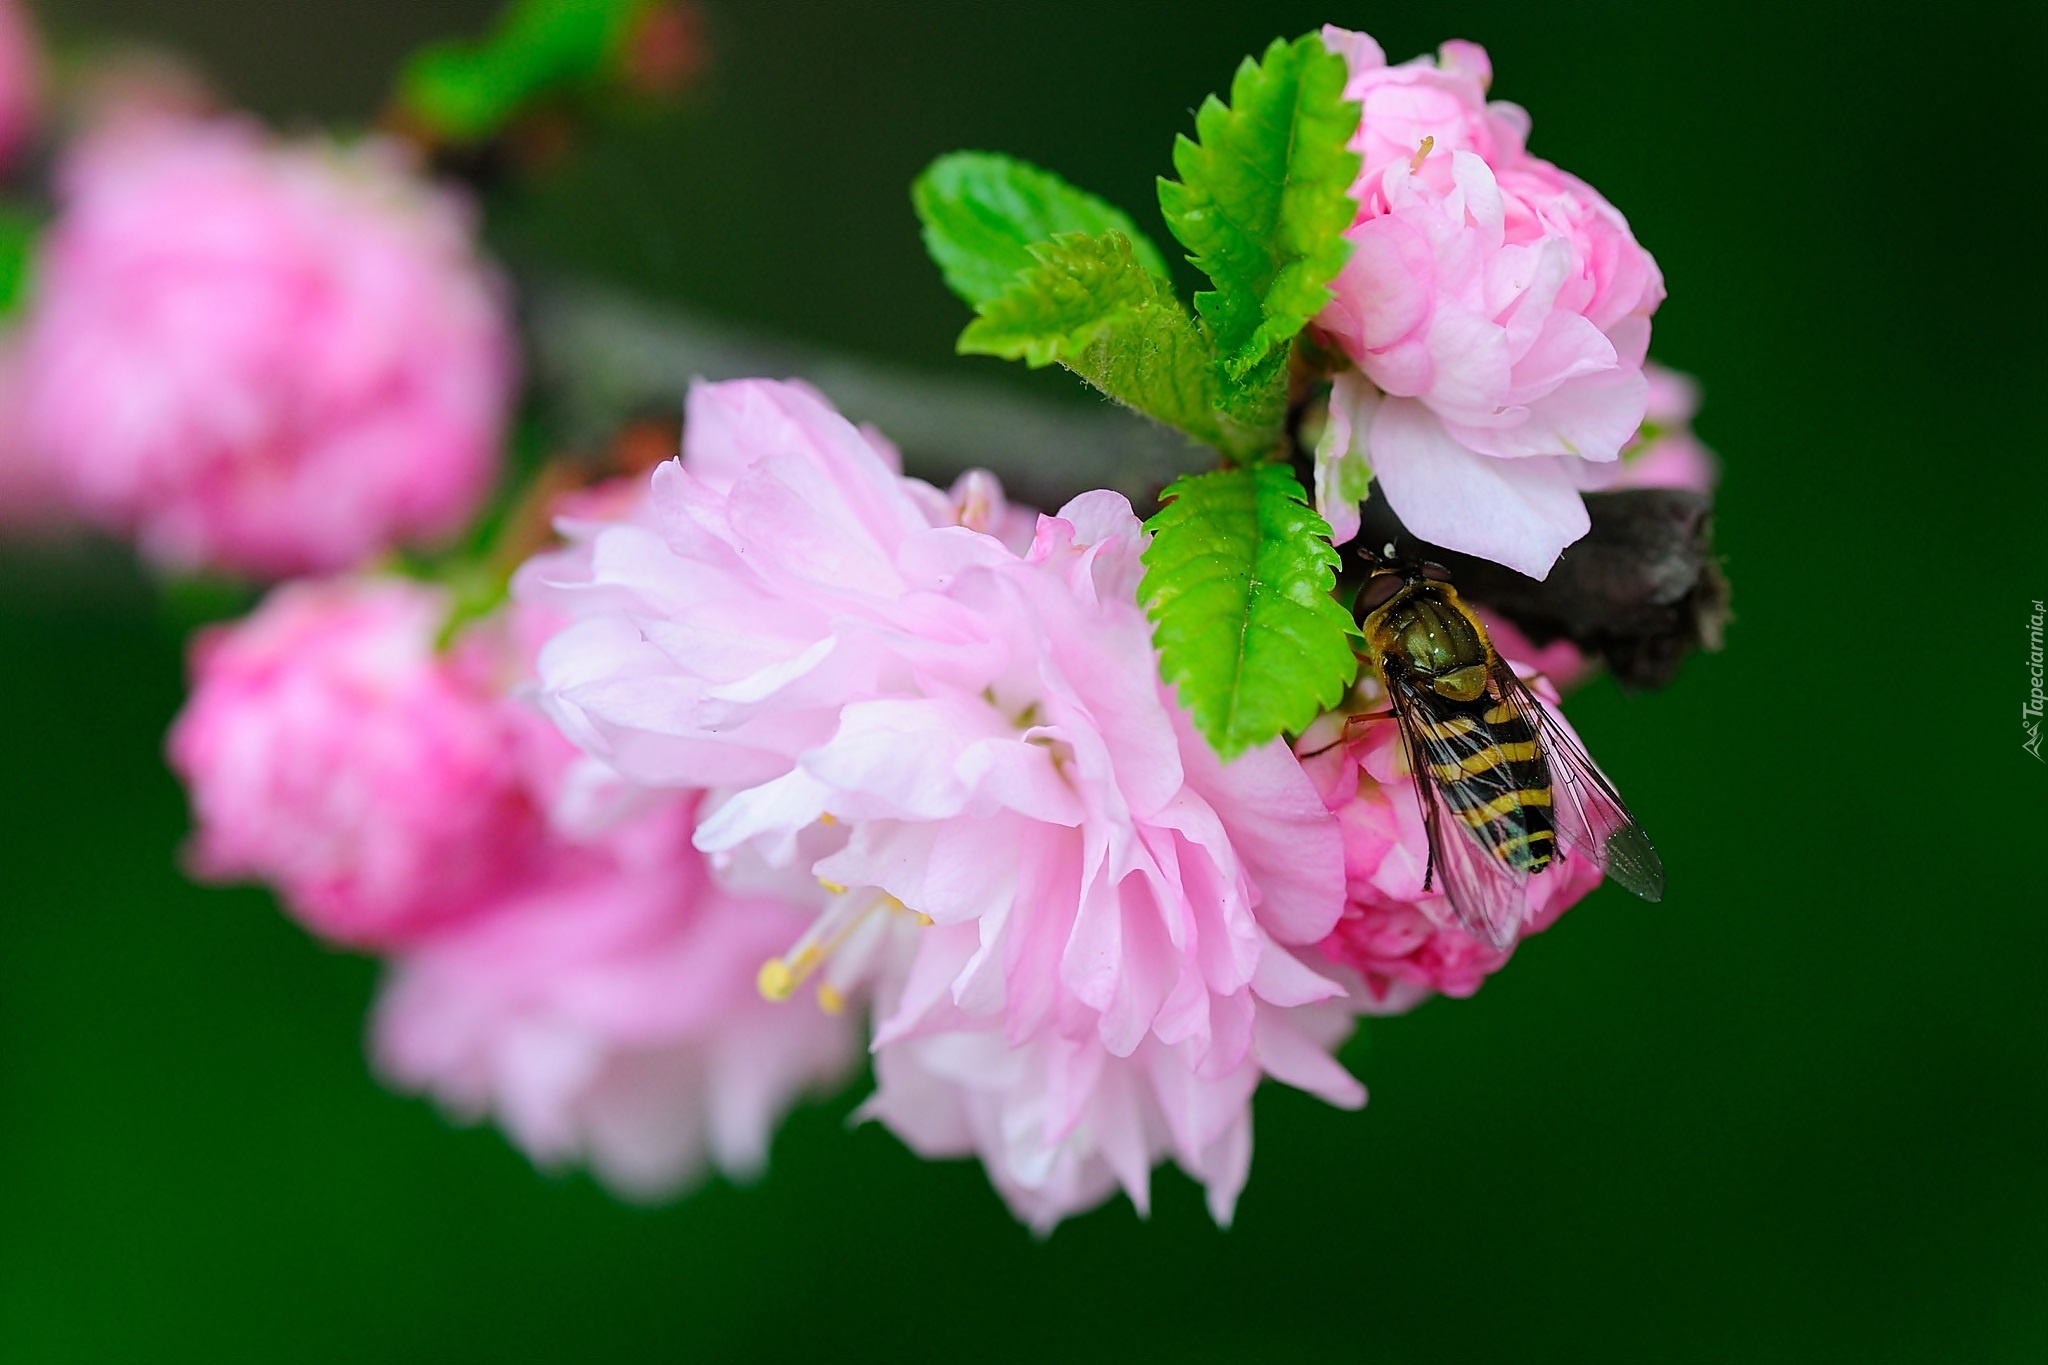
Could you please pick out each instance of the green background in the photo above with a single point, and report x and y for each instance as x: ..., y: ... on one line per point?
x: 1795, y: 1113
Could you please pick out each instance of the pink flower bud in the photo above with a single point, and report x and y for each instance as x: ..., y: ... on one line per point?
x: 21, y: 78
x: 259, y: 356
x: 380, y: 786
x: 1498, y: 311
x: 1401, y: 938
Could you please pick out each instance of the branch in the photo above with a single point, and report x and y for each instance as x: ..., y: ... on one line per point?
x: 1641, y: 591
x: 604, y: 359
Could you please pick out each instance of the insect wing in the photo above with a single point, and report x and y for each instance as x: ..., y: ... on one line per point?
x: 1488, y: 895
x: 1589, y: 812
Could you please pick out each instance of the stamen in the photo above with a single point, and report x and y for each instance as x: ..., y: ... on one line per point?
x: 834, y: 887
x: 1415, y: 164
x: 780, y: 976
x: 828, y: 818
x: 829, y: 998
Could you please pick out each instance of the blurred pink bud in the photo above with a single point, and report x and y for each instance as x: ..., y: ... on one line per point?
x: 1665, y: 454
x: 607, y: 1013
x: 380, y: 786
x: 261, y: 356
x: 1498, y: 310
x: 30, y: 503
x: 21, y: 78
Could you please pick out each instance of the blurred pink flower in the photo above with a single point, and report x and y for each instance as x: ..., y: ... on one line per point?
x: 330, y: 750
x: 264, y: 357
x: 923, y: 717
x: 1403, y: 941
x: 1665, y: 454
x: 21, y: 77
x: 1498, y: 310
x: 607, y: 1013
x: 30, y: 504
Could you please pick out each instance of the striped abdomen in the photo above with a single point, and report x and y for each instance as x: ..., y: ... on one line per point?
x: 1500, y: 787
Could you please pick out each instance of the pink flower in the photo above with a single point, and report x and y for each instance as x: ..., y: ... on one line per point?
x: 923, y: 717
x: 607, y: 1013
x: 1402, y: 940
x: 1061, y: 1125
x: 1498, y: 310
x: 1665, y: 454
x: 21, y: 78
x: 1562, y: 664
x: 264, y: 357
x: 29, y: 501
x: 380, y: 786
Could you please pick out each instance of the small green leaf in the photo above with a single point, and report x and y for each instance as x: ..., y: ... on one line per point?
x: 1238, y: 583
x: 468, y: 91
x: 1263, y: 198
x: 982, y: 212
x: 1089, y: 304
x: 18, y: 233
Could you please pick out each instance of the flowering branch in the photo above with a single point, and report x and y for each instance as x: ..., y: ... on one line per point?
x: 1641, y: 590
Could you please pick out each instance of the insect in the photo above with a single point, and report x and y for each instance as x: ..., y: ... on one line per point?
x: 1507, y: 793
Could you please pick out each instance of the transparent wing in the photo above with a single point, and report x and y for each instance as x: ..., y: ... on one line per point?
x: 1590, y: 814
x: 1488, y: 896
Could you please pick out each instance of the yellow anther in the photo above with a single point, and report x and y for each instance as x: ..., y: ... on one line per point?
x: 926, y: 920
x: 829, y: 998
x: 828, y: 818
x: 776, y: 980
x: 1421, y: 153
x: 834, y: 887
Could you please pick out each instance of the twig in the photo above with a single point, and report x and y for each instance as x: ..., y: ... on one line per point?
x: 1641, y: 591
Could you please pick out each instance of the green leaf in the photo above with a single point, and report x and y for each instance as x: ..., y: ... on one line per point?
x: 1238, y: 583
x: 982, y: 212
x: 1263, y: 198
x: 467, y: 92
x: 18, y: 233
x: 1091, y: 305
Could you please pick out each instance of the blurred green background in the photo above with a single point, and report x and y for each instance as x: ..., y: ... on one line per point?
x: 1795, y: 1113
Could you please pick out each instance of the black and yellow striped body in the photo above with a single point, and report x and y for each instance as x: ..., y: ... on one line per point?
x: 1479, y: 747
x: 1502, y: 789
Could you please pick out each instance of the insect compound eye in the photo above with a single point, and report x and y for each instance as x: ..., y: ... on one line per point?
x: 1378, y: 591
x: 1436, y: 573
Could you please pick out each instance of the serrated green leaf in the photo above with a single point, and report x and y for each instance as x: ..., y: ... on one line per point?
x: 1089, y: 304
x: 1263, y: 198
x: 468, y: 91
x: 1237, y: 584
x: 983, y: 212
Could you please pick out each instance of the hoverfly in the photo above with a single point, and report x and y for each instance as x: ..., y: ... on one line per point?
x: 1506, y: 791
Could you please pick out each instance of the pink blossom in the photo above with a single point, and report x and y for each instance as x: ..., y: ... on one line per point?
x: 606, y: 1013
x: 29, y: 500
x: 923, y: 717
x: 1562, y: 664
x: 1666, y: 454
x: 260, y: 356
x: 1497, y: 308
x: 21, y: 78
x: 380, y: 786
x: 1401, y: 940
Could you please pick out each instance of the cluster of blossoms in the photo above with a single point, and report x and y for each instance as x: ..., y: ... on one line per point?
x: 591, y: 987
x: 778, y: 753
